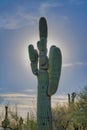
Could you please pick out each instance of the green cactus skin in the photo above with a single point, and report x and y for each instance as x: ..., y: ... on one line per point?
x: 43, y: 28
x: 48, y: 75
x: 54, y: 69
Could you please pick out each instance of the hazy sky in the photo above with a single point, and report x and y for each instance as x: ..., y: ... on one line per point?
x: 67, y: 29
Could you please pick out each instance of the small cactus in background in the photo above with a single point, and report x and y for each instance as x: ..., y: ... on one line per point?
x: 71, y: 98
x: 6, y: 121
x: 48, y: 75
x: 20, y: 126
x: 28, y: 118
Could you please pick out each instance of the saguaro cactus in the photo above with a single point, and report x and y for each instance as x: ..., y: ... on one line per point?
x: 48, y: 75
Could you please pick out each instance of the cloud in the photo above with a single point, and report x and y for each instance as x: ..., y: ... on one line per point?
x: 24, y: 102
x: 18, y: 98
x: 16, y: 95
x: 44, y: 7
x: 59, y: 99
x: 16, y: 20
x: 77, y: 2
x: 29, y: 90
x: 27, y: 103
x: 74, y: 64
x: 23, y: 99
x: 22, y: 17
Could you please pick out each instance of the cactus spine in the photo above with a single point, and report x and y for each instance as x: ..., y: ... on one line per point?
x: 48, y: 75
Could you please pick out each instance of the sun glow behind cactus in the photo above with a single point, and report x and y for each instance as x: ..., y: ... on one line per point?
x: 50, y: 42
x: 24, y: 51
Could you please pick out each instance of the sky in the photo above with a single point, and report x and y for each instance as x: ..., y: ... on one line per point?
x: 67, y: 23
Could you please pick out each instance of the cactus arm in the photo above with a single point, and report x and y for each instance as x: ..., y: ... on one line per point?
x: 43, y: 28
x: 55, y: 62
x: 33, y: 55
x: 43, y: 59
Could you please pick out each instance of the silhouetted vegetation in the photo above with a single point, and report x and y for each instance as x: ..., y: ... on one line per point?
x: 66, y: 117
x: 74, y: 116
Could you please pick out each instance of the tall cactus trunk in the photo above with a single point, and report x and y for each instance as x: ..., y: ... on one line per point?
x: 48, y: 75
x: 44, y: 116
